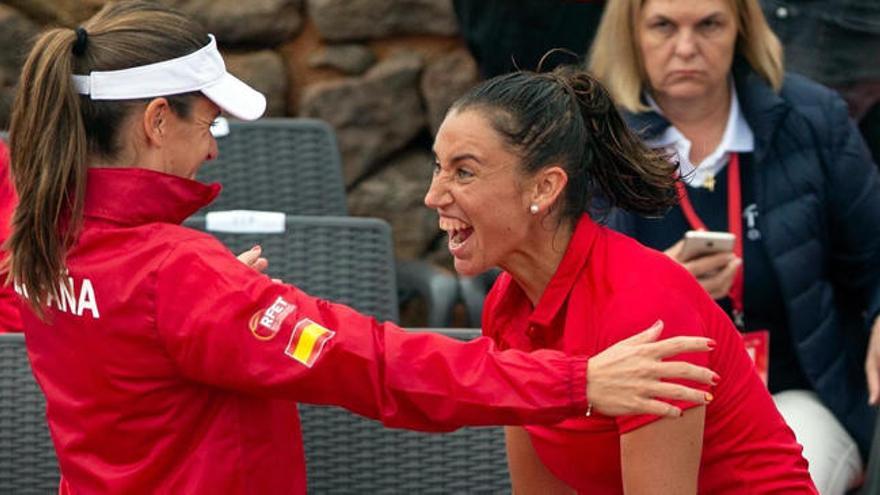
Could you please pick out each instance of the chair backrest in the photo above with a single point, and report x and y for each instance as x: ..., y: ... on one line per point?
x: 344, y: 259
x: 346, y: 453
x: 27, y: 457
x: 288, y: 165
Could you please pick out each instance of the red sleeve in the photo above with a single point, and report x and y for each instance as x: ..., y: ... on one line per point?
x: 635, y: 310
x: 8, y: 198
x: 226, y: 325
x: 10, y: 317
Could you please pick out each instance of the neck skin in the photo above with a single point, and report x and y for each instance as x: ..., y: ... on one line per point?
x: 533, y: 266
x: 133, y: 149
x: 701, y: 120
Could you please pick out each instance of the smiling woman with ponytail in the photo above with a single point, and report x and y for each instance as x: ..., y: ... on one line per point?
x: 520, y: 161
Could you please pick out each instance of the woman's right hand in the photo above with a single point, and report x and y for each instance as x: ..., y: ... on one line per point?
x: 626, y: 377
x: 715, y: 272
x: 254, y: 259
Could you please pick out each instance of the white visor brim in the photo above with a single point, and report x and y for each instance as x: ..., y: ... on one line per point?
x: 236, y: 98
x: 202, y: 70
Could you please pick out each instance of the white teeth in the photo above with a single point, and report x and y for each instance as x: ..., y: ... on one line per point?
x: 451, y: 225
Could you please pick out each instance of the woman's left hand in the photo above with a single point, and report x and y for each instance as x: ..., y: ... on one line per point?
x: 872, y: 364
x: 252, y: 258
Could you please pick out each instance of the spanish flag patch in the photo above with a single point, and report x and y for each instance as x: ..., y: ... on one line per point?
x: 307, y: 342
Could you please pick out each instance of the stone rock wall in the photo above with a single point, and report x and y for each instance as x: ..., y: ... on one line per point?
x: 14, y: 27
x: 381, y: 72
x: 346, y: 20
x: 373, y: 115
x: 253, y: 22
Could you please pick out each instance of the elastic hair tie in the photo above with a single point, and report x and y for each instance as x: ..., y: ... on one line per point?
x: 82, y: 39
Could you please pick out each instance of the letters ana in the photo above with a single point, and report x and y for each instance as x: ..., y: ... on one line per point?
x: 74, y: 297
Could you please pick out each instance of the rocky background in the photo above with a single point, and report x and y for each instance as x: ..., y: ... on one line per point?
x: 381, y: 72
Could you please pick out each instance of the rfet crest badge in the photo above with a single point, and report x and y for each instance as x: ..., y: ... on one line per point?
x: 266, y: 323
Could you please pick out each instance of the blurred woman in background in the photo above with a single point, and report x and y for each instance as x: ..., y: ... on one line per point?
x: 774, y: 159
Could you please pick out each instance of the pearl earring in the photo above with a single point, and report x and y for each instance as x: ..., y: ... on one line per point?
x: 534, y: 209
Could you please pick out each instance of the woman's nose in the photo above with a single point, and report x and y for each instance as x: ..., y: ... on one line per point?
x: 437, y: 195
x: 685, y: 44
x: 213, y: 151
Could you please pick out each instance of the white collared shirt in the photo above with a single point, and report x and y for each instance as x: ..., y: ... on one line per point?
x: 738, y: 138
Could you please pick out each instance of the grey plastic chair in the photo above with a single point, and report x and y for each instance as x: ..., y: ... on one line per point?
x: 473, y: 292
x: 345, y: 259
x: 346, y: 453
x: 438, y: 289
x: 27, y: 457
x: 288, y: 165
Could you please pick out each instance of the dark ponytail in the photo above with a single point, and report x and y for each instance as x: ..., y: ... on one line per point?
x: 566, y: 117
x: 628, y: 174
x: 48, y: 163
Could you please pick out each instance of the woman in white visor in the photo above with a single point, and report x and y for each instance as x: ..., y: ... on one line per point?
x: 171, y: 367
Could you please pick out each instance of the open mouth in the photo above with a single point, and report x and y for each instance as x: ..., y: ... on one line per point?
x: 458, y: 232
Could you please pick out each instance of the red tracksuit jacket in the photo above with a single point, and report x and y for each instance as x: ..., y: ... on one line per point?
x: 171, y: 367
x: 10, y: 320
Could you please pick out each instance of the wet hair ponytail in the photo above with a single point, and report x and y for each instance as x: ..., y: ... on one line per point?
x: 566, y: 118
x: 54, y: 131
x: 627, y: 173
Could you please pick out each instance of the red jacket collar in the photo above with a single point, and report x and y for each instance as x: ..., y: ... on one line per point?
x: 567, y: 273
x: 136, y: 196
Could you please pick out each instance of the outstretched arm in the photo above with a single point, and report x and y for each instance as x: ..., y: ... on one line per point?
x: 225, y: 325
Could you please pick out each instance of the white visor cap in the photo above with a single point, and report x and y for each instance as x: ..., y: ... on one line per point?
x: 202, y: 70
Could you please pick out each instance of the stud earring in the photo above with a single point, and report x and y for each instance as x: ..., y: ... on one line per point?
x: 534, y: 209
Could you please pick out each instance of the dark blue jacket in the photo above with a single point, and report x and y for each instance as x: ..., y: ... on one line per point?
x: 819, y: 196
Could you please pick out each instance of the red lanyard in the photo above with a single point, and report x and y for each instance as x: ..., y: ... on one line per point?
x: 734, y: 224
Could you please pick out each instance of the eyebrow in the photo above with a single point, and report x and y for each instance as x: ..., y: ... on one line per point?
x: 459, y: 157
x: 465, y: 156
x: 712, y: 15
x: 212, y: 120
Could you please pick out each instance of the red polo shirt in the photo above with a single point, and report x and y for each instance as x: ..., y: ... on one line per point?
x: 607, y: 288
x: 171, y: 367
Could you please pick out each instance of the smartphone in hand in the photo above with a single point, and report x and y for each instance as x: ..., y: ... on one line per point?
x: 699, y: 243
